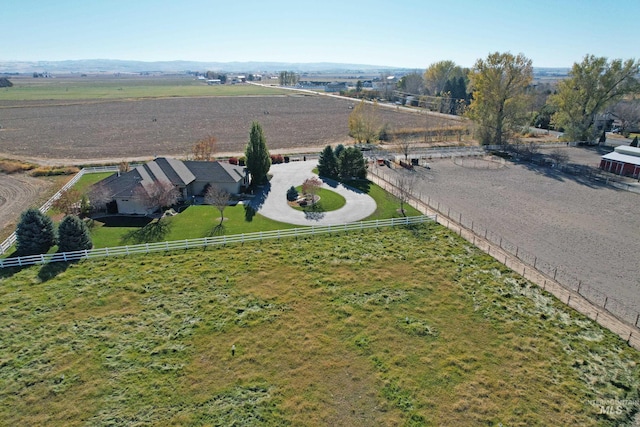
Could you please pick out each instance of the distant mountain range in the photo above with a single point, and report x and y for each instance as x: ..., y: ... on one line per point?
x: 121, y: 66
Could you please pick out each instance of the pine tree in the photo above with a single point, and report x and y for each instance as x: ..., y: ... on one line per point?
x: 73, y: 235
x: 34, y: 233
x: 328, y: 163
x: 258, y: 159
x: 634, y: 143
x: 352, y: 164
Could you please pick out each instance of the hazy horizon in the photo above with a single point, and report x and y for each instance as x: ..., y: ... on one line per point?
x: 406, y: 34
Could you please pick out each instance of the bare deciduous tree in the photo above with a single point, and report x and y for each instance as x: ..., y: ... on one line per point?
x: 159, y: 194
x: 404, y: 145
x: 204, y: 149
x: 404, y: 189
x: 219, y: 198
x: 69, y: 202
x: 628, y: 111
x: 99, y: 196
x: 310, y: 188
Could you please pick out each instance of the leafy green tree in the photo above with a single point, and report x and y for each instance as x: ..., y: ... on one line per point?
x: 328, y: 163
x: 73, y: 235
x: 437, y: 74
x: 592, y: 86
x: 257, y: 156
x: 351, y: 164
x: 34, y: 233
x: 499, y: 106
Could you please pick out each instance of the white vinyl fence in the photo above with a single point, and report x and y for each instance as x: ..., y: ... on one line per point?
x: 146, y: 248
x: 9, y: 241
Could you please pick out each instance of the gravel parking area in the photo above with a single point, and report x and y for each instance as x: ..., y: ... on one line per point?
x: 587, y: 229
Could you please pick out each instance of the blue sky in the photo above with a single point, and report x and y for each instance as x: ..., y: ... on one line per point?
x: 402, y: 33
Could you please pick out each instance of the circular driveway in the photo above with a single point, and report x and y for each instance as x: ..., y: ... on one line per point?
x: 274, y: 204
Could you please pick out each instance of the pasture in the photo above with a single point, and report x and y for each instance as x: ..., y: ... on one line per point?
x: 404, y: 326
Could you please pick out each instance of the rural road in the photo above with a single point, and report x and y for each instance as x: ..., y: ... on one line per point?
x: 274, y: 204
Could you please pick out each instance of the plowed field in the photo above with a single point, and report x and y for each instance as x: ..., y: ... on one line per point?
x: 169, y: 126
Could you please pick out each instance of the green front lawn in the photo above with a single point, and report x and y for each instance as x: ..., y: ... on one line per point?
x: 329, y: 201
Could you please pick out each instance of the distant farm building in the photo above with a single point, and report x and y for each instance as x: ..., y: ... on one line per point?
x: 214, y: 82
x: 336, y: 87
x: 624, y: 160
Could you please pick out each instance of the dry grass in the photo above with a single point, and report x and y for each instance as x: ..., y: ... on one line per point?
x: 15, y: 166
x: 393, y: 327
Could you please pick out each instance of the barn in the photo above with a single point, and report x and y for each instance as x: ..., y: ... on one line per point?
x: 624, y: 160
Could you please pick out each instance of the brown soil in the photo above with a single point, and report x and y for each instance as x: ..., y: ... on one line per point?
x: 77, y: 132
x: 587, y: 229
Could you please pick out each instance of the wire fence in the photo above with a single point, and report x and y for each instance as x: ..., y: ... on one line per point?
x: 477, y: 233
x: 146, y: 248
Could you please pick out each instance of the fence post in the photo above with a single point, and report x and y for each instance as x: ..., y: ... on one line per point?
x: 554, y: 273
x: 637, y: 319
x: 501, y: 242
x: 605, y: 302
x: 535, y: 259
x: 579, y: 284
x: 517, y: 251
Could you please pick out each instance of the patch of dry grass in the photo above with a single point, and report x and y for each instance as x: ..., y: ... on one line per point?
x: 392, y: 327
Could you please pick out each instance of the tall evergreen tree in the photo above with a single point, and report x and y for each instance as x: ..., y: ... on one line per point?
x: 328, y: 163
x: 634, y: 143
x: 351, y: 164
x: 34, y: 233
x: 257, y: 155
x: 73, y: 235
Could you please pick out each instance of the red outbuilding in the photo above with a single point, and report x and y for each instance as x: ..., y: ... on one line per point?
x: 624, y: 160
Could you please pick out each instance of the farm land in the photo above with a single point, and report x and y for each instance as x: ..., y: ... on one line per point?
x: 433, y: 374
x: 155, y: 121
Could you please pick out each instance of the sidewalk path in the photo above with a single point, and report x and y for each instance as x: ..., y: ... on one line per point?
x: 274, y: 204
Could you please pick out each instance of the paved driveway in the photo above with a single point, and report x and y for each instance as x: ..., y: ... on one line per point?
x: 272, y: 203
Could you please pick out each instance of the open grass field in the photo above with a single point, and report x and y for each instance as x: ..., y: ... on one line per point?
x: 388, y: 327
x: 156, y: 117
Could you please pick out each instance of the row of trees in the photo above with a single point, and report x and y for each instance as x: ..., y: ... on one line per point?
x: 501, y: 86
x: 342, y: 163
x: 36, y: 234
x: 288, y: 78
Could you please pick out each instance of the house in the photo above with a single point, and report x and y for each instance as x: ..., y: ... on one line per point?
x: 336, y: 87
x: 191, y: 178
x: 624, y: 160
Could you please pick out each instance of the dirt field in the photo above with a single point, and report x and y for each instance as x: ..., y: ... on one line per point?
x: 17, y: 193
x: 84, y: 130
x: 589, y: 230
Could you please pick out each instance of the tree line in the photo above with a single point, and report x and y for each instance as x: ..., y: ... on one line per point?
x: 499, y: 95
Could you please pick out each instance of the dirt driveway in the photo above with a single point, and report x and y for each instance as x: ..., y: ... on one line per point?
x: 589, y: 230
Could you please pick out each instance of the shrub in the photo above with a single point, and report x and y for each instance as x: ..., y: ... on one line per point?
x: 52, y: 171
x: 14, y: 166
x: 73, y: 235
x: 34, y: 233
x: 292, y: 194
x: 276, y: 158
x: 233, y: 160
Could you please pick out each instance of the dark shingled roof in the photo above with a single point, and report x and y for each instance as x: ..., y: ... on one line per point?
x: 215, y: 171
x: 176, y: 172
